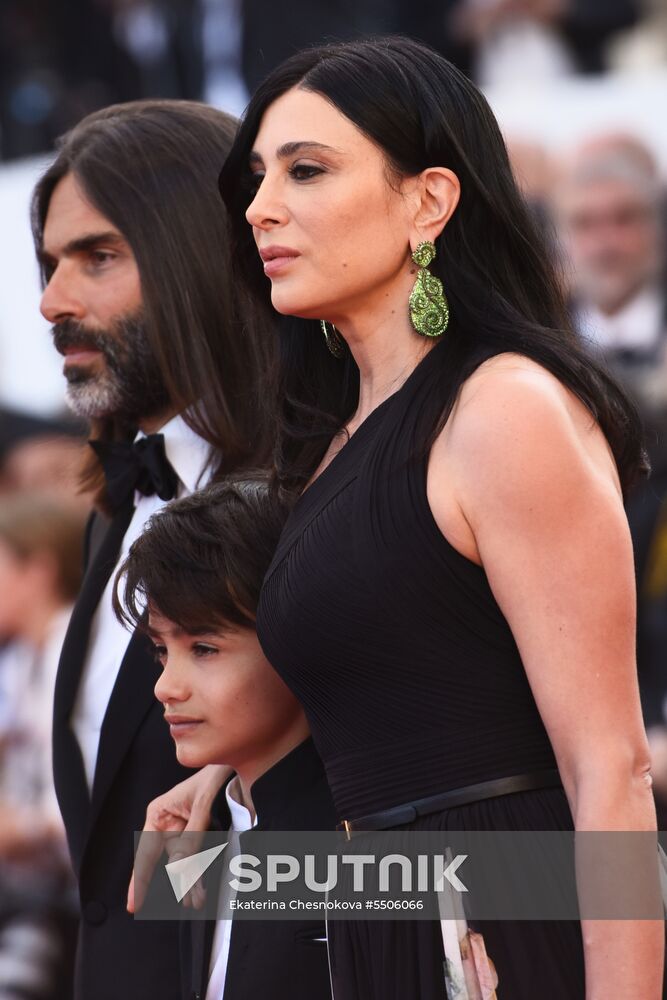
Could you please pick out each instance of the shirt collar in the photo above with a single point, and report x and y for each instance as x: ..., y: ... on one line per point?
x: 187, y: 452
x: 637, y: 325
x: 241, y: 820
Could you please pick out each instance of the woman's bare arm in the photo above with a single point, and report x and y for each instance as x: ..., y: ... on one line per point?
x: 521, y: 481
x: 185, y: 808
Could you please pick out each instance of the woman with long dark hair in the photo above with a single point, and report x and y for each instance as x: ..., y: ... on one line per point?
x: 452, y: 599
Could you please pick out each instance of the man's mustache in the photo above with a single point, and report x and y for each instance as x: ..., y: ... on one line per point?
x: 72, y: 334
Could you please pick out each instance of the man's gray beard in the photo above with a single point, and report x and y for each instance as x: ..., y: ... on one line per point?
x: 96, y: 397
x: 129, y: 387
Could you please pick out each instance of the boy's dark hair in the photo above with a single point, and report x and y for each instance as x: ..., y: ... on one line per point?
x: 201, y: 560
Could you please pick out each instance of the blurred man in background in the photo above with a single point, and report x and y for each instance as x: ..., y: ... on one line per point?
x: 41, y: 455
x: 610, y: 215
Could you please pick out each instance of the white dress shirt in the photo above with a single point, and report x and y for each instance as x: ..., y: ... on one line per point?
x: 241, y: 822
x: 188, y: 454
x: 638, y: 325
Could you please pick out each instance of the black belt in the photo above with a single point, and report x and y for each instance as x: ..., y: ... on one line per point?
x: 409, y: 811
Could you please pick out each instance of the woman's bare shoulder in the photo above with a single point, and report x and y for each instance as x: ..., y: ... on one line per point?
x: 513, y: 394
x: 515, y: 434
x: 509, y: 372
x: 512, y: 408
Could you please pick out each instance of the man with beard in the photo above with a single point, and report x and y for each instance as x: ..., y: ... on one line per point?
x: 131, y: 236
x: 609, y: 207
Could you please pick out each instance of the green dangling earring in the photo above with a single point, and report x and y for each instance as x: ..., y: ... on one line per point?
x: 334, y: 340
x: 429, y: 309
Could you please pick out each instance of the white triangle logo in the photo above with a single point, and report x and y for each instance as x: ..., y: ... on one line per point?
x: 186, y: 871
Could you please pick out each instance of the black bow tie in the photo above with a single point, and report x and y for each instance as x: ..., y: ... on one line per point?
x: 139, y: 465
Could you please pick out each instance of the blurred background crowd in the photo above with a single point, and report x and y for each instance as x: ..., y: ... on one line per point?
x: 579, y: 87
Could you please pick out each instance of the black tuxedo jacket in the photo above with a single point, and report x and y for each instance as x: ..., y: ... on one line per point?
x: 271, y: 960
x: 118, y: 958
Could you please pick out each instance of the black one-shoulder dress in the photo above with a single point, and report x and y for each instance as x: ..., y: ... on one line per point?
x: 413, y: 685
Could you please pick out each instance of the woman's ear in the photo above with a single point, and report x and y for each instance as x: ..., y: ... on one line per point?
x: 437, y: 194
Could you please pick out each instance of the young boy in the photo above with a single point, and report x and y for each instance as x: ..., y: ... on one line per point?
x: 198, y: 570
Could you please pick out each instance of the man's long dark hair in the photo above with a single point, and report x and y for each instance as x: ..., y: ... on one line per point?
x: 497, y: 272
x: 151, y: 168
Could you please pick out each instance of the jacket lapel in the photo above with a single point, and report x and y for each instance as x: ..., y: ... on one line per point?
x: 68, y: 769
x: 75, y: 644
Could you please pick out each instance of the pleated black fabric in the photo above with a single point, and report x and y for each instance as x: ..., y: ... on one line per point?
x: 413, y: 684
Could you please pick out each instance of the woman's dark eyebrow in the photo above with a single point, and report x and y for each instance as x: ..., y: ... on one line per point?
x: 291, y: 148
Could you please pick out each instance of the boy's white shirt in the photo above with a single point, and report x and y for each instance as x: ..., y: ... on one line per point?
x: 241, y: 821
